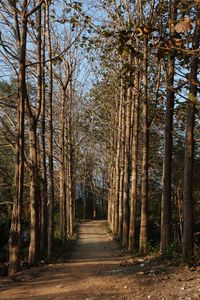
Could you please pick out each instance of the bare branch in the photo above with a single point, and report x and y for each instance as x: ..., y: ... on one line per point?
x: 60, y: 54
x: 28, y: 14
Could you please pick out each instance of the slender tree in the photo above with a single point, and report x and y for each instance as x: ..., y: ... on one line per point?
x: 21, y: 40
x: 168, y: 139
x: 44, y: 196
x: 134, y: 155
x: 145, y: 154
x: 189, y: 144
x: 50, y: 138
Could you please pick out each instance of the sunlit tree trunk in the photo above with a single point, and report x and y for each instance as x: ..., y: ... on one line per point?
x: 50, y: 139
x: 127, y: 168
x: 110, y: 196
x: 134, y: 161
x: 34, y: 246
x: 121, y: 167
x: 62, y: 169
x: 189, y: 146
x: 70, y: 205
x: 168, y: 140
x: 44, y: 239
x: 145, y: 152
x: 117, y: 165
x: 34, y: 230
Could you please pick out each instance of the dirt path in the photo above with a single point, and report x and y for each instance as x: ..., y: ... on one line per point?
x: 98, y: 271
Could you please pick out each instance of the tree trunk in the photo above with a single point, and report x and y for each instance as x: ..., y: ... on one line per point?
x: 62, y: 170
x: 117, y: 165
x: 110, y: 196
x: 189, y: 147
x: 44, y: 239
x: 168, y: 141
x: 50, y: 141
x: 112, y: 202
x: 16, y: 220
x: 127, y: 169
x: 34, y: 228
x: 144, y: 190
x: 122, y: 159
x: 134, y: 154
x: 34, y: 247
x: 70, y: 163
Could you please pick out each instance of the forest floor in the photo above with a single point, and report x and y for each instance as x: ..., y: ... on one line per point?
x: 98, y: 269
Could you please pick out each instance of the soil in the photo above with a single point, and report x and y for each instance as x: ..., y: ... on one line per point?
x: 98, y: 269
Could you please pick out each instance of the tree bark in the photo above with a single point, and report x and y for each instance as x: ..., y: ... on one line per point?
x: 70, y: 163
x: 134, y: 155
x: 110, y: 196
x: 127, y: 170
x: 63, y: 220
x: 122, y: 159
x: 16, y: 220
x: 44, y: 239
x: 34, y: 230
x: 117, y: 165
x: 168, y: 143
x: 50, y: 140
x: 189, y: 147
x: 34, y: 247
x: 143, y: 244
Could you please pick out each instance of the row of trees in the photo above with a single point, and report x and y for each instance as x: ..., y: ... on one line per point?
x: 161, y: 62
x: 27, y: 26
x: 73, y: 140
x: 148, y: 59
x: 41, y: 127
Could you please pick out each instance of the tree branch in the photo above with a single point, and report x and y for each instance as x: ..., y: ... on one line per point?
x: 32, y: 11
x: 60, y: 54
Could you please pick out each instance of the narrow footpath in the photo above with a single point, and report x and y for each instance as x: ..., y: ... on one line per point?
x: 97, y: 270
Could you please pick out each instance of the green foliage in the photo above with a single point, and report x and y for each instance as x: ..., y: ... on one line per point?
x: 153, y: 249
x: 174, y: 253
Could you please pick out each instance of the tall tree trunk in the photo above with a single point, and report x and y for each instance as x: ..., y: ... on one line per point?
x: 168, y: 141
x: 110, y: 196
x: 62, y: 170
x: 134, y: 154
x: 189, y: 146
x: 34, y: 247
x: 122, y: 161
x: 112, y: 184
x: 34, y: 230
x: 50, y: 140
x: 16, y: 220
x: 117, y: 165
x: 127, y: 169
x: 145, y: 151
x: 70, y: 163
x: 44, y: 239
